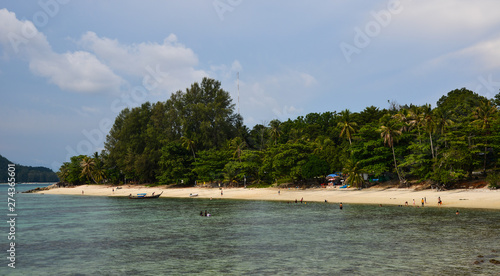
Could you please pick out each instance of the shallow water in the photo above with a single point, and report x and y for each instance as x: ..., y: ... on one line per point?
x: 84, y: 235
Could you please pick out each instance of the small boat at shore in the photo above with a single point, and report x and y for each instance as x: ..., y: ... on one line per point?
x: 193, y: 195
x: 144, y: 196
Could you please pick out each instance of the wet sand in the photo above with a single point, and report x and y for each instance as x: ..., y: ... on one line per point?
x: 460, y: 198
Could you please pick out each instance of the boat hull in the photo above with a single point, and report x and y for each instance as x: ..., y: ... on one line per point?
x: 144, y: 196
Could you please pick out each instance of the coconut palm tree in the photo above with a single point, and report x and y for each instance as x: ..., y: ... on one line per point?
x: 320, y: 144
x: 429, y: 124
x: 416, y: 118
x: 99, y: 173
x: 485, y: 115
x: 354, y: 172
x: 88, y: 165
x: 443, y: 121
x: 189, y: 144
x: 275, y: 130
x: 403, y: 117
x: 237, y: 144
x: 389, y: 132
x: 347, y: 124
x: 63, y: 172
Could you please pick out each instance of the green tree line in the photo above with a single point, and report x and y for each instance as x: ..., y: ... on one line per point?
x: 196, y: 136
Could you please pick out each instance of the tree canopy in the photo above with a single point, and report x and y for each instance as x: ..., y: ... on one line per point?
x: 196, y: 137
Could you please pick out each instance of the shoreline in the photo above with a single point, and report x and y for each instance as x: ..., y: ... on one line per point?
x: 482, y: 198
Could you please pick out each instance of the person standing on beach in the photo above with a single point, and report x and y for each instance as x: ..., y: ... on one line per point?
x: 422, y: 202
x: 439, y: 201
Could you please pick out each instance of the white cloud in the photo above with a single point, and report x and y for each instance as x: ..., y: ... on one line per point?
x: 77, y: 71
x: 276, y: 96
x: 236, y: 66
x: 308, y: 80
x: 171, y: 64
x: 446, y: 19
x: 479, y: 58
x: 20, y: 37
x: 133, y: 59
x: 485, y: 53
x: 90, y: 110
x: 226, y: 73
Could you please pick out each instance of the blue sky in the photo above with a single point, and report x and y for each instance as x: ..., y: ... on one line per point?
x: 68, y: 67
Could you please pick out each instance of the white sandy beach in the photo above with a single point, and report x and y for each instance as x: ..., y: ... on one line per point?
x: 462, y: 198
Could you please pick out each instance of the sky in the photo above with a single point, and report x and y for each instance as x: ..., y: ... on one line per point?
x: 67, y: 67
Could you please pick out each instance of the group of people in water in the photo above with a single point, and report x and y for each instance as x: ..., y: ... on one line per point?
x: 424, y: 201
x: 206, y: 214
x: 326, y: 201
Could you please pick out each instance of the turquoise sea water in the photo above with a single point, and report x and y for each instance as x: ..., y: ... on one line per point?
x: 84, y: 235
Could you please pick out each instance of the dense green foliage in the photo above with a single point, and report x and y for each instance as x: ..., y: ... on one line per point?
x: 195, y: 137
x: 27, y: 173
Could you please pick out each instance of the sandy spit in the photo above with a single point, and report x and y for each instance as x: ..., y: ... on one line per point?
x: 470, y: 198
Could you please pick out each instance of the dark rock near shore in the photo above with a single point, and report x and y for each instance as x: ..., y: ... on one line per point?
x: 62, y: 185
x: 493, y: 261
x: 482, y: 258
x: 41, y: 189
x: 36, y: 190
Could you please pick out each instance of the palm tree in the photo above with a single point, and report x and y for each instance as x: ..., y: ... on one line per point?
x: 429, y: 124
x: 485, y: 115
x: 238, y: 144
x: 275, y: 130
x: 403, y: 117
x: 354, y: 174
x: 88, y: 165
x: 98, y: 171
x: 262, y: 131
x: 416, y: 117
x: 63, y: 172
x: 442, y: 122
x: 189, y: 145
x: 388, y: 133
x: 347, y: 124
x: 99, y: 174
x: 321, y: 143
